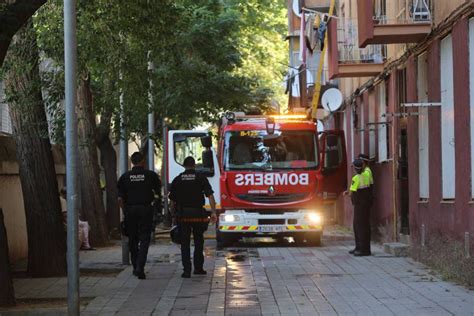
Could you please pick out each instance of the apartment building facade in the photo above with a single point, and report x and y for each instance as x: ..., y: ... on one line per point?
x: 406, y: 70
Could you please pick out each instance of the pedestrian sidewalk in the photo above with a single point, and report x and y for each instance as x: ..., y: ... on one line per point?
x: 252, y: 279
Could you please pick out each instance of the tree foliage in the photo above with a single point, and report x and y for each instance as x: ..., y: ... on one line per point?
x: 13, y: 15
x: 210, y: 56
x: 263, y: 25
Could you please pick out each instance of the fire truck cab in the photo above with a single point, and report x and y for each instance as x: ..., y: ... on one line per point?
x: 271, y: 175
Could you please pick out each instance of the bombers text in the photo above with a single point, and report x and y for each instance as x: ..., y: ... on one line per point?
x: 272, y: 179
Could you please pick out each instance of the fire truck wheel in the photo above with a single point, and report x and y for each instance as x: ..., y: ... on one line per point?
x: 280, y: 239
x: 313, y: 239
x: 225, y: 240
x: 299, y: 239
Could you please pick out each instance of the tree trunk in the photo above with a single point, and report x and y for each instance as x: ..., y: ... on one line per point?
x: 7, y: 294
x: 108, y: 161
x: 13, y: 15
x: 46, y: 235
x: 92, y: 206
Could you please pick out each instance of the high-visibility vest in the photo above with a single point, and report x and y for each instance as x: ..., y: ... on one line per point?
x: 360, y: 181
x: 368, y: 171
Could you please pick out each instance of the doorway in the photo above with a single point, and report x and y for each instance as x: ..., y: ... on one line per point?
x: 402, y: 170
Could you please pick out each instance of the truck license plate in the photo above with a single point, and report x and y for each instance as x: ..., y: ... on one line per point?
x: 270, y: 229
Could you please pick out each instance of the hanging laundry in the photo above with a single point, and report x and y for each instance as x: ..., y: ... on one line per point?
x: 317, y: 23
x: 288, y: 79
x: 311, y: 33
x: 322, y: 33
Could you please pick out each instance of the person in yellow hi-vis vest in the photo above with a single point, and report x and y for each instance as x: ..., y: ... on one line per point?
x: 365, y: 160
x: 361, y: 197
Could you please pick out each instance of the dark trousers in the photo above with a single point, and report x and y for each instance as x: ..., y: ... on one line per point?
x: 139, y: 223
x: 197, y: 230
x: 362, y: 203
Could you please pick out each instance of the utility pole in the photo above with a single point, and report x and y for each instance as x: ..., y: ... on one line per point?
x: 123, y: 163
x: 151, y: 124
x: 151, y: 115
x: 70, y: 60
x: 164, y: 171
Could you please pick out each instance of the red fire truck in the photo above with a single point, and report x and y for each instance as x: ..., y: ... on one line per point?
x: 272, y: 175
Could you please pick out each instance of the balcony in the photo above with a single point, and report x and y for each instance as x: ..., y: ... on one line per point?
x: 404, y: 21
x: 319, y: 5
x: 345, y: 58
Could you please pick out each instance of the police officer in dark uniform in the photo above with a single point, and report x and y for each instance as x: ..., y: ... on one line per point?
x: 187, y: 194
x: 137, y: 190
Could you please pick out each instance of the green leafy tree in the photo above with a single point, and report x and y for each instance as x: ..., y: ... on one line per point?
x: 262, y: 28
x: 13, y: 15
x: 205, y: 64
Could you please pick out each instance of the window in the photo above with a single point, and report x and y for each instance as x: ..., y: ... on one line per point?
x: 371, y: 128
x: 423, y: 128
x: 447, y: 119
x: 471, y: 89
x: 257, y: 150
x: 190, y: 145
x: 380, y: 12
x: 344, y: 123
x: 351, y: 126
x: 382, y: 128
x: 333, y: 154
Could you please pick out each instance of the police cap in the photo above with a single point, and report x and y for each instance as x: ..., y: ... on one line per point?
x: 364, y: 157
x: 358, y: 164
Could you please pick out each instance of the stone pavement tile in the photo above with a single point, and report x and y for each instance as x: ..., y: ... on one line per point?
x: 265, y: 281
x: 180, y: 313
x: 328, y: 313
x: 146, y: 294
x: 243, y: 311
x: 167, y: 299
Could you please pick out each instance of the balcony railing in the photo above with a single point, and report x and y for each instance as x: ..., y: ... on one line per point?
x: 406, y: 12
x: 348, y: 48
x: 393, y: 21
x: 345, y: 58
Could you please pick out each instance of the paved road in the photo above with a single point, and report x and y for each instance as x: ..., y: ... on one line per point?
x: 263, y: 279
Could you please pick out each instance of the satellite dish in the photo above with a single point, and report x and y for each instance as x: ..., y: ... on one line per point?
x: 297, y: 8
x: 320, y: 126
x: 332, y: 100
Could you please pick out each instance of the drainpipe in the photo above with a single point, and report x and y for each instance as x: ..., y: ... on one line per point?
x: 394, y: 174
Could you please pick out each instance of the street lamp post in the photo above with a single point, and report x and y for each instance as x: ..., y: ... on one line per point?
x: 151, y: 116
x: 70, y: 61
x: 123, y: 163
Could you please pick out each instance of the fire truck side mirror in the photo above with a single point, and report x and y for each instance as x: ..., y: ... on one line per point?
x: 208, y: 162
x: 206, y: 141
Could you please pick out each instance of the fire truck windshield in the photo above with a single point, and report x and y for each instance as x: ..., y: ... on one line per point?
x: 255, y: 149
